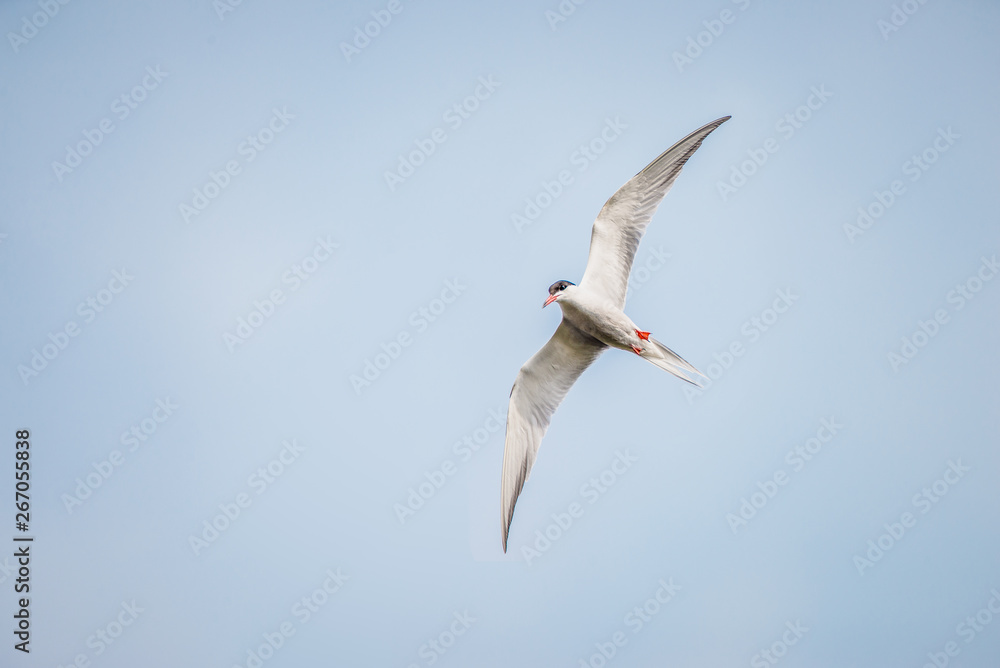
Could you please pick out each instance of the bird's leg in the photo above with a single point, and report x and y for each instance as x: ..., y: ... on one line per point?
x: 642, y: 335
x: 637, y: 349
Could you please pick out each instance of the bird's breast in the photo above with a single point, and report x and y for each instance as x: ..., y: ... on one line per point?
x: 607, y: 325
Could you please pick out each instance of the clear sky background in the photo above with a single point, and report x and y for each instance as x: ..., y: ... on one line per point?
x: 884, y: 352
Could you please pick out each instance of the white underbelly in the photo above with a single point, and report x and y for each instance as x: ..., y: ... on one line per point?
x: 608, y: 326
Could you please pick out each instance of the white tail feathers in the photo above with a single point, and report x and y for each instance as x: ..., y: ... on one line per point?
x: 668, y: 360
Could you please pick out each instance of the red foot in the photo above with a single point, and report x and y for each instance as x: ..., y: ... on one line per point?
x: 637, y: 349
x: 642, y: 335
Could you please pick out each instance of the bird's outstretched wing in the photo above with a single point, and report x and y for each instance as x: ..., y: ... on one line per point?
x: 541, y: 385
x: 625, y: 216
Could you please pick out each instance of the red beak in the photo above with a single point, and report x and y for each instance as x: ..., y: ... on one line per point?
x: 551, y: 299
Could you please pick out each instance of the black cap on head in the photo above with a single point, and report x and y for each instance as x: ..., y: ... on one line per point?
x: 559, y: 286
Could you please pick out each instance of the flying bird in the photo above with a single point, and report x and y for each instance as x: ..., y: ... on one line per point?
x: 593, y: 318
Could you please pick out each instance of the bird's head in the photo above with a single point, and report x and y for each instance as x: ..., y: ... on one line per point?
x: 557, y: 290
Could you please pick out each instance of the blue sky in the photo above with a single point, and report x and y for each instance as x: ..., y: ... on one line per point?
x: 218, y: 222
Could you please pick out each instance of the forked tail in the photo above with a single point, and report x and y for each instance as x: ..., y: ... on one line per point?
x: 665, y: 358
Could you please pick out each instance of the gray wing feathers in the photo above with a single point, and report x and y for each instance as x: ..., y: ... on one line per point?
x: 623, y: 220
x: 541, y: 385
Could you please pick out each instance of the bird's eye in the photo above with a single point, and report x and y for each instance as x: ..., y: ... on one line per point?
x: 562, y: 287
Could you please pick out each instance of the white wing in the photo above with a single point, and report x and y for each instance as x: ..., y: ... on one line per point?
x: 624, y: 218
x: 541, y: 385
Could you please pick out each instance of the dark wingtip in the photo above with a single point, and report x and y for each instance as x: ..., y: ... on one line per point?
x: 717, y: 122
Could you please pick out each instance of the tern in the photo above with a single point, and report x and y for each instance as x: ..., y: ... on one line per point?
x: 593, y: 318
